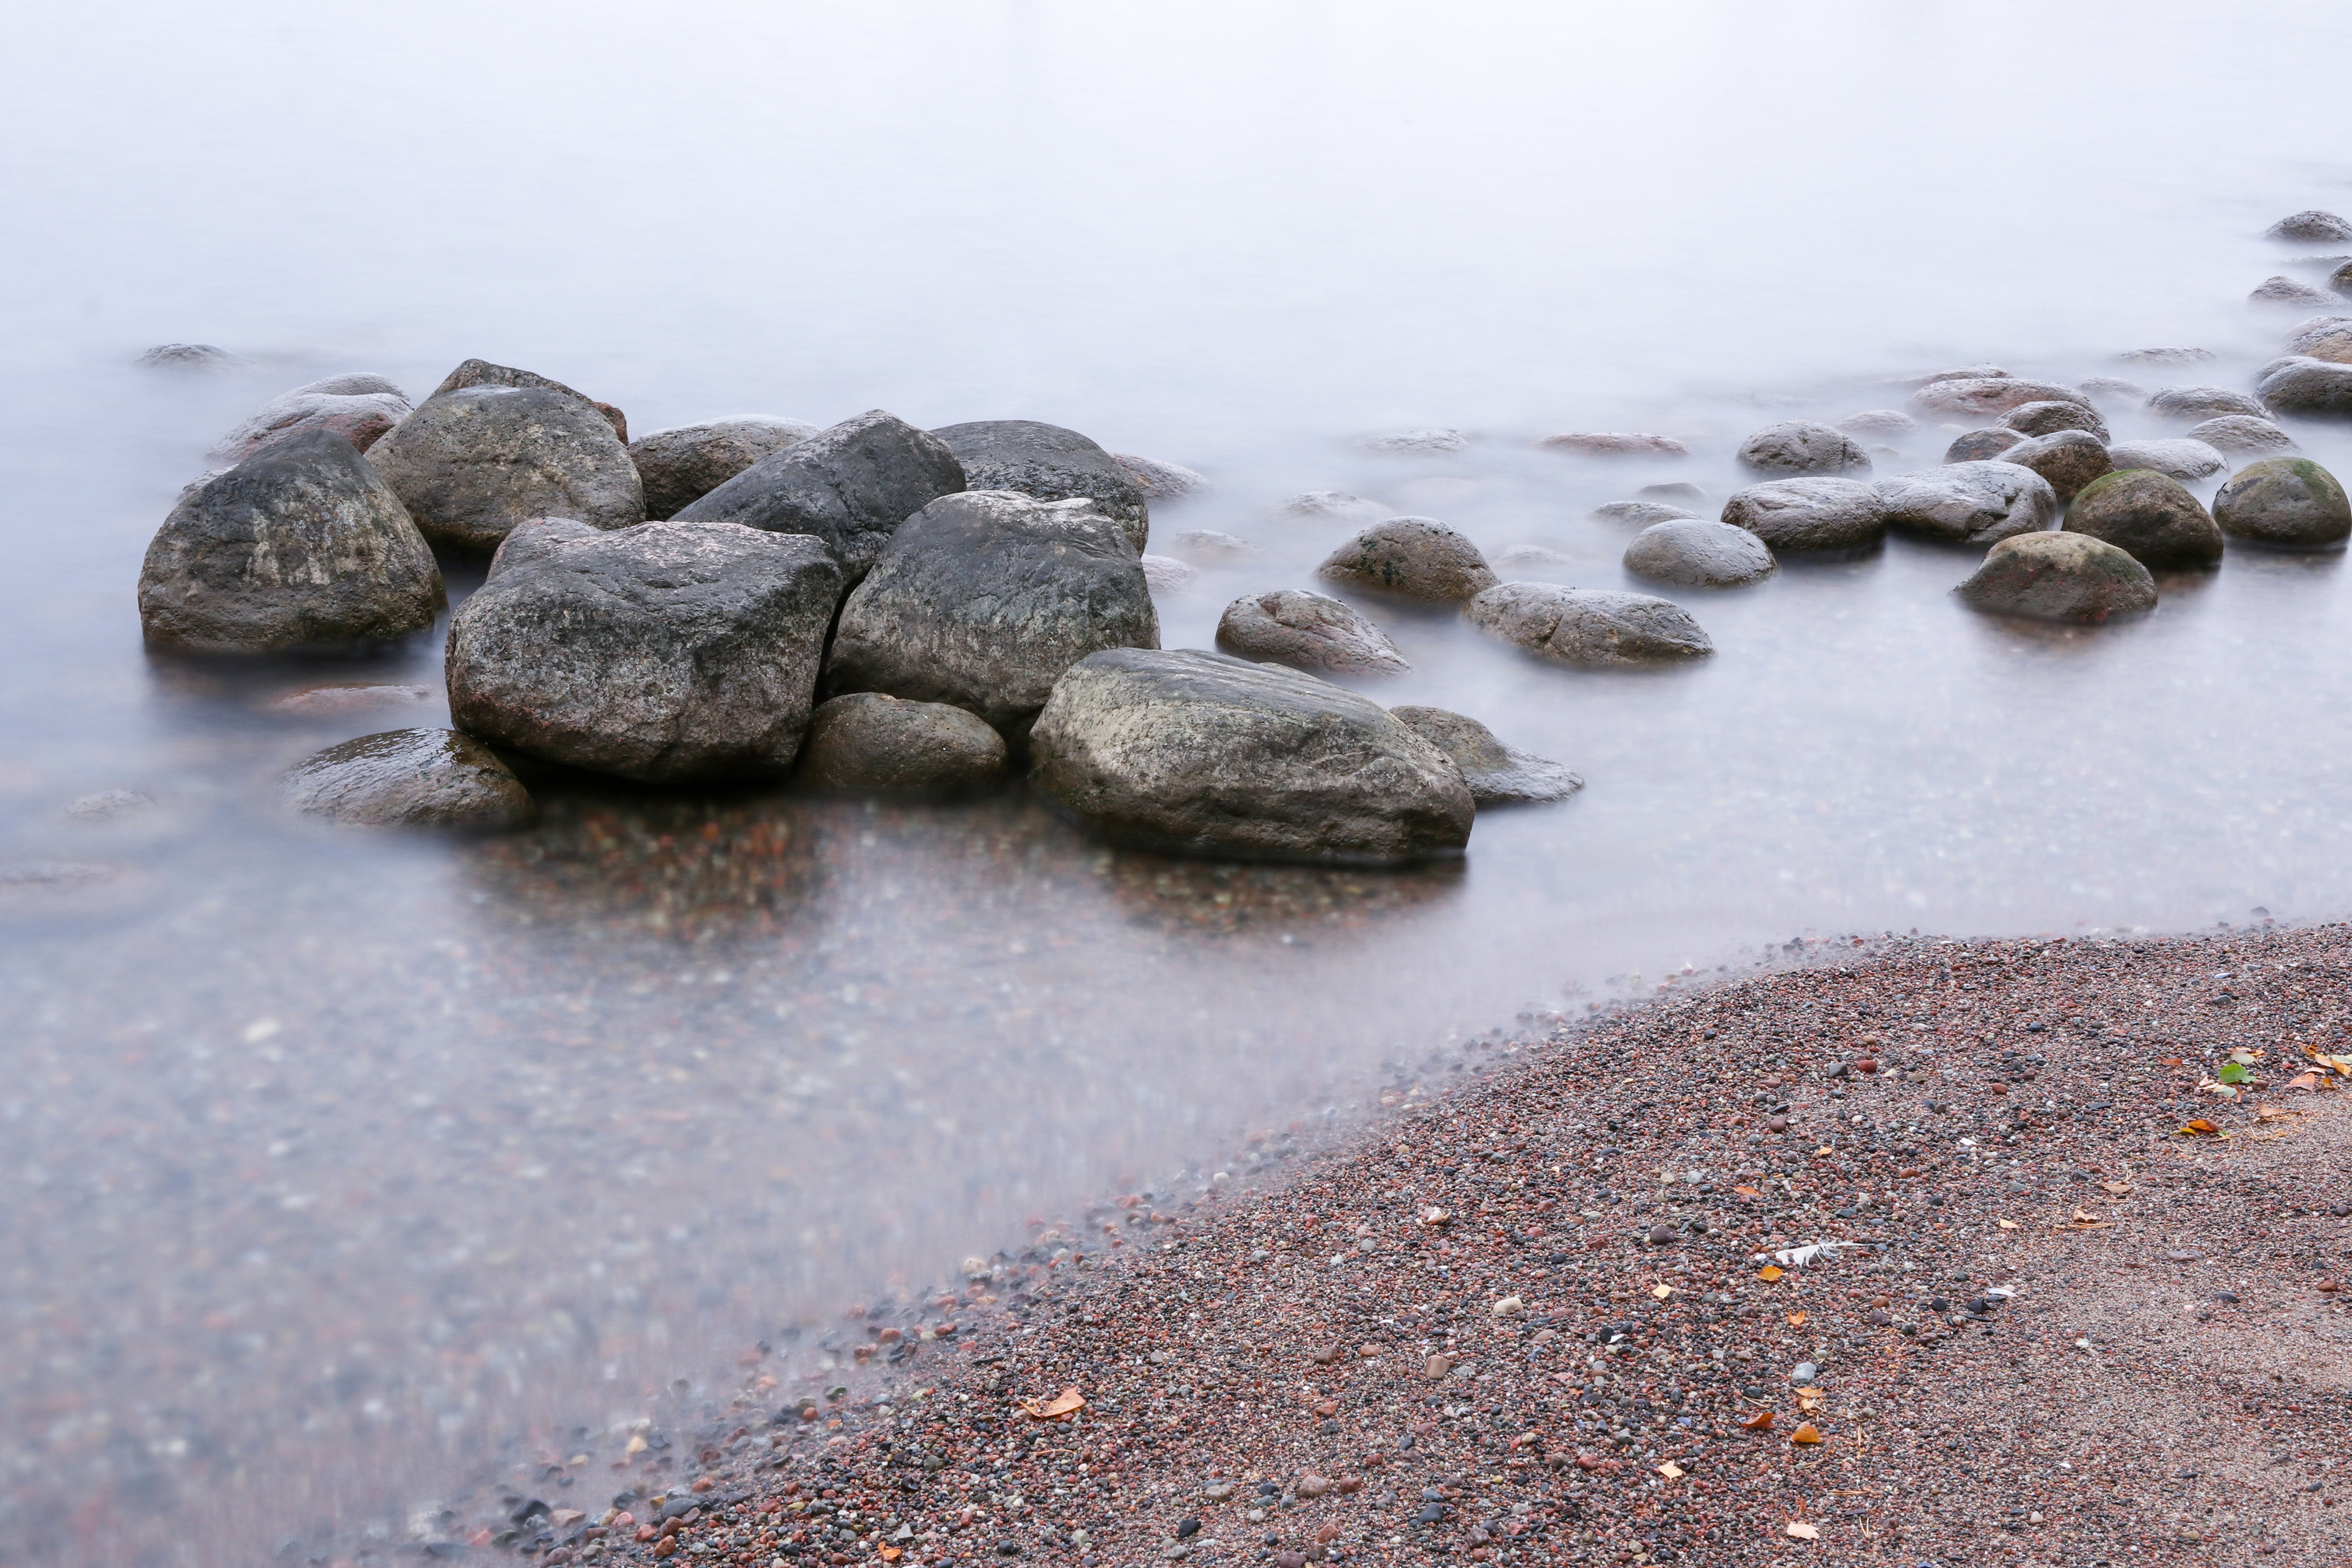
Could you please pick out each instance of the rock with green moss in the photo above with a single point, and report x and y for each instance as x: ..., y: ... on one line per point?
x: 2289, y: 503
x: 2060, y: 578
x: 2152, y: 516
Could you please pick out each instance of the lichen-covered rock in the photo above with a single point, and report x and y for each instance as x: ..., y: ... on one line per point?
x: 850, y: 485
x: 1051, y: 464
x: 2289, y: 503
x: 1614, y: 444
x: 1811, y: 514
x: 409, y: 778
x: 1412, y: 557
x: 1972, y: 503
x: 1307, y: 631
x: 669, y: 653
x: 2179, y: 458
x: 1593, y: 627
x: 870, y: 743
x: 1497, y: 774
x: 1157, y: 481
x: 2150, y: 515
x: 1980, y: 445
x: 482, y: 373
x: 1202, y: 754
x: 470, y: 464
x: 2192, y: 405
x: 534, y: 537
x: 680, y: 467
x: 2041, y: 419
x: 360, y: 406
x: 2314, y: 388
x: 1796, y: 447
x: 2314, y: 226
x: 1987, y: 396
x: 300, y: 546
x: 2240, y: 432
x: 2069, y: 459
x: 1697, y: 554
x: 2060, y: 576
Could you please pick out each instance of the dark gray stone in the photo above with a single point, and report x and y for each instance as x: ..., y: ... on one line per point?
x: 2314, y: 388
x: 1592, y: 627
x: 1051, y: 464
x: 2190, y: 405
x: 1201, y: 753
x: 482, y: 373
x: 409, y: 778
x: 2289, y: 503
x: 2341, y: 279
x: 2150, y: 515
x: 1987, y: 397
x: 2314, y: 227
x: 2060, y: 576
x: 1797, y: 447
x: 2179, y: 458
x: 1307, y: 631
x: 680, y: 467
x: 1697, y: 554
x: 300, y: 546
x: 1977, y: 446
x: 2068, y: 460
x: 1412, y: 557
x: 1497, y: 774
x: 2240, y: 432
x: 360, y: 406
x: 872, y: 743
x: 1972, y: 503
x: 850, y: 485
x: 471, y: 464
x: 1840, y: 515
x: 2043, y: 418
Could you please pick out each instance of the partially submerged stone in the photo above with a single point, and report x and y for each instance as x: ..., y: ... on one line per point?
x: 1167, y: 574
x: 1972, y: 503
x: 1157, y: 481
x: 2179, y: 458
x: 1412, y: 557
x: 1987, y: 396
x: 1977, y: 446
x: 2314, y: 388
x: 2043, y: 418
x: 1697, y: 554
x: 1811, y: 515
x: 1638, y: 513
x: 482, y: 373
x: 1307, y: 631
x: 1413, y: 442
x: 870, y: 742
x: 1592, y: 627
x: 2060, y: 576
x: 2279, y: 289
x: 409, y: 778
x: 2192, y: 405
x: 1497, y: 774
x: 1337, y: 504
x: 2068, y: 460
x: 1207, y: 547
x: 681, y: 466
x: 2291, y: 503
x: 1614, y: 444
x: 1797, y: 447
x: 2242, y: 433
x: 2312, y: 227
x: 2150, y: 515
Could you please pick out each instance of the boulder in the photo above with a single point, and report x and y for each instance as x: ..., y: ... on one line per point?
x: 302, y: 545
x: 360, y: 406
x: 1885, y: 424
x: 984, y: 598
x: 482, y: 373
x: 1986, y: 396
x: 1409, y: 443
x: 188, y: 356
x: 2069, y: 459
x: 1638, y: 513
x: 535, y: 538
x: 2113, y: 389
x: 680, y: 467
x: 2240, y: 432
x: 1497, y: 774
x: 2289, y: 503
x: 471, y: 464
x: 409, y: 778
x: 1697, y: 554
x: 1587, y: 627
x: 1811, y: 514
x: 2190, y: 405
x: 873, y: 744
x: 1412, y: 557
x: 2180, y: 457
x: 1158, y: 481
x: 1972, y: 503
x: 1796, y: 447
x: 1166, y: 575
x: 1051, y: 464
x: 2280, y: 291
x: 2041, y: 419
x: 1207, y: 547
x: 851, y: 486
x: 1201, y: 753
x: 1337, y: 504
x: 2061, y: 577
x: 1307, y: 631
x: 669, y: 653
x: 2316, y: 227
x: 2150, y: 515
x: 1614, y: 444
x: 2315, y: 388
x: 2323, y: 337
x: 1977, y: 446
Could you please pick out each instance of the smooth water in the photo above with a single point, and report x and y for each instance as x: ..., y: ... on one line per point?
x: 332, y: 1163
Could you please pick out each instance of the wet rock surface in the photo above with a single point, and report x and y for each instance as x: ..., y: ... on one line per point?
x: 1052, y: 464
x: 2302, y: 385
x: 1980, y: 445
x: 2068, y: 460
x: 2060, y: 576
x: 1697, y: 554
x: 1593, y: 627
x: 1413, y: 558
x: 2193, y: 405
x: 409, y: 778
x: 2044, y: 418
x: 681, y: 466
x: 1797, y: 447
x: 2151, y: 516
x: 2289, y: 503
x: 1972, y: 503
x: 870, y: 744
x: 2240, y: 432
x: 471, y: 463
x: 534, y: 539
x: 1497, y: 774
x: 2312, y: 227
x: 1988, y: 397
x: 1307, y: 631
x: 849, y: 485
x: 1811, y: 515
x: 1640, y: 513
x: 2179, y: 458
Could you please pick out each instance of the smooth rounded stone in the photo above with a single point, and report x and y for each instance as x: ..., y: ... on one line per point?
x: 1307, y: 631
x: 1497, y: 774
x: 2290, y: 503
x: 482, y: 373
x: 1166, y: 575
x: 2113, y: 389
x: 1337, y: 504
x: 1614, y: 444
x: 2180, y: 457
x: 1051, y: 464
x: 1157, y: 481
x: 870, y: 742
x: 1811, y: 514
x: 1592, y: 627
x: 1887, y: 424
x: 1972, y: 503
x: 1407, y: 442
x: 2060, y: 576
x: 302, y: 545
x: 1674, y: 492
x: 535, y: 538
x: 2150, y: 515
x: 409, y: 778
x: 984, y: 599
x: 1207, y: 547
x: 2041, y: 419
x: 1697, y: 554
x: 680, y: 467
x: 2313, y: 388
x: 2282, y: 290
x: 338, y: 701
x: 2313, y: 226
x: 1637, y: 513
x: 2323, y: 337
x: 2240, y: 432
x: 1796, y: 447
x: 1413, y: 557
x: 669, y: 653
x: 1533, y: 558
x: 1978, y: 445
x: 188, y: 356
x: 360, y: 406
x: 471, y: 464
x: 1203, y: 753
x: 2190, y: 405
x: 850, y: 485
x: 1986, y: 396
x: 2069, y: 459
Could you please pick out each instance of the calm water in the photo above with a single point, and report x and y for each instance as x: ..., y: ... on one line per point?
x: 337, y: 1167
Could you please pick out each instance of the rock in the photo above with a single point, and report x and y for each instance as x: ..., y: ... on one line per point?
x: 850, y: 485
x: 2068, y: 460
x: 482, y: 373
x: 2060, y: 576
x: 1979, y: 444
x: 1806, y: 1371
x: 1697, y: 554
x: 680, y: 467
x: 2148, y: 515
x: 1797, y: 447
x: 1811, y: 514
x: 1413, y: 557
x: 409, y: 778
x: 1196, y: 752
x: 1887, y: 424
x: 2341, y: 279
x: 1307, y: 631
x: 1533, y: 558
x: 2311, y: 388
x: 2280, y: 291
x: 1166, y: 575
x: 2165, y: 356
x: 533, y: 539
x: 2179, y: 458
x: 2190, y: 405
x: 1674, y: 492
x: 188, y: 356
x: 1989, y: 396
x: 109, y: 806
x: 2115, y: 388
x: 335, y: 701
x: 1336, y: 504
x: 1614, y: 444
x: 1972, y: 503
x: 1498, y: 775
x: 669, y: 653
x: 360, y: 407
x: 2323, y: 337
x: 1587, y: 627
x: 984, y: 599
x: 1637, y: 513
x: 2041, y: 419
x: 470, y: 464
x: 300, y: 546
x: 2242, y: 433
x: 2314, y: 226
x: 1051, y: 464
x: 1206, y: 547
x: 870, y: 742
x: 2289, y: 503
x: 1405, y: 442
x: 1158, y: 481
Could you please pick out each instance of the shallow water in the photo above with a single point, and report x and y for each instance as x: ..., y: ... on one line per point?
x: 335, y: 1162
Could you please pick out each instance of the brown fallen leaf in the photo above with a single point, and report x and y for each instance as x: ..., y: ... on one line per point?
x: 1803, y: 1531
x: 1811, y: 1399
x: 1672, y: 1471
x: 1768, y: 1273
x: 1807, y: 1432
x: 1069, y: 1402
x: 2115, y: 1189
x: 1748, y: 1192
x: 2007, y: 1223
x: 1760, y: 1422
x: 2274, y: 1113
x: 1661, y: 1291
x: 2200, y: 1128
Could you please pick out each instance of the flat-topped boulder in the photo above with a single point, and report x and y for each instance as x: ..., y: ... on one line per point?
x: 470, y: 464
x: 409, y: 778
x: 681, y: 466
x: 1593, y: 627
x: 1696, y: 553
x: 1052, y: 464
x: 849, y: 486
x: 2061, y: 577
x: 1614, y: 444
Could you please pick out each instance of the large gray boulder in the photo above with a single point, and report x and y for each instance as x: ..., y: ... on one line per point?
x: 2242, y: 433
x: 534, y: 537
x: 470, y: 464
x: 2151, y: 516
x: 1497, y: 774
x: 1988, y: 397
x: 1697, y: 554
x: 2069, y: 459
x: 2043, y: 418
x: 360, y: 406
x: 851, y: 486
x: 2061, y: 577
x: 482, y: 373
x: 1412, y: 557
x: 1796, y: 447
x: 409, y: 778
x: 670, y: 653
x: 300, y: 546
x: 1307, y: 631
x: 2179, y: 458
x: 1051, y: 464
x: 1201, y: 753
x: 2193, y: 405
x: 868, y: 742
x: 1593, y: 627
x: 2292, y: 503
x: 1972, y: 503
x: 984, y: 598
x: 1811, y: 514
x: 680, y: 467
x: 2314, y: 388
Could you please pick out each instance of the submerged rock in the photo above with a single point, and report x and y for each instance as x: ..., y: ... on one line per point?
x: 336, y: 701
x: 1533, y: 558
x: 1638, y: 513
x: 1166, y: 575
x: 1201, y: 753
x: 2190, y: 405
x: 1307, y: 631
x: 2179, y: 458
x: 2060, y: 576
x: 1811, y: 514
x: 188, y: 356
x: 2313, y: 388
x: 1497, y: 774
x: 2323, y: 337
x: 1697, y: 554
x: 1593, y: 627
x: 300, y: 546
x: 2068, y: 460
x: 2043, y: 418
x: 2314, y: 226
x: 1407, y: 442
x: 470, y: 464
x: 2114, y: 388
x: 2289, y: 503
x: 409, y: 778
x: 1977, y: 446
x: 1972, y: 503
x: 1412, y: 557
x: 1886, y: 424
x: 482, y: 373
x: 2277, y: 290
x: 360, y: 406
x: 2151, y: 516
x: 1989, y: 396
x: 680, y: 467
x: 1797, y: 447
x: 1337, y: 504
x: 2165, y: 356
x: 2242, y: 433
x: 1674, y: 492
x: 870, y: 743
x: 1614, y: 444
x: 1158, y: 481
x: 850, y: 485
x: 1207, y: 547
x: 1051, y: 464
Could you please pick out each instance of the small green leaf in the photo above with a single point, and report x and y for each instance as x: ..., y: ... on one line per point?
x: 2232, y: 1072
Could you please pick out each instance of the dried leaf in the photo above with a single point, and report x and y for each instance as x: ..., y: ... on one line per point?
x: 2274, y: 1113
x: 891, y: 1554
x: 2117, y: 1188
x: 1803, y: 1531
x: 1661, y: 1291
x: 2168, y: 1061
x: 1796, y: 1320
x: 1748, y: 1192
x: 1768, y: 1273
x: 1067, y: 1402
x: 2303, y: 1080
x: 1807, y: 1432
x: 1811, y: 1399
x: 2200, y: 1128
x: 1672, y: 1471
x: 2007, y: 1223
x: 1824, y: 1149
x: 1760, y: 1422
